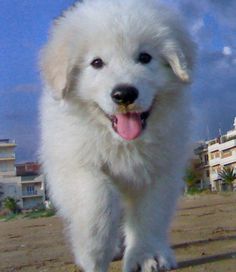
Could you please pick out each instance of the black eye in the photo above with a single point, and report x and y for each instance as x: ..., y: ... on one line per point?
x: 144, y: 58
x: 97, y: 63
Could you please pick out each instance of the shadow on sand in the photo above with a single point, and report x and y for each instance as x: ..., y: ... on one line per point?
x: 200, y: 242
x: 208, y: 259
x: 203, y: 259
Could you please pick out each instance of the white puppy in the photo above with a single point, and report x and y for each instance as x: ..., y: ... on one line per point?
x: 115, y: 120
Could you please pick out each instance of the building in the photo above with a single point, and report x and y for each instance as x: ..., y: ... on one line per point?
x: 202, y: 152
x: 216, y: 154
x: 10, y: 184
x: 27, y: 169
x: 22, y: 182
x: 32, y: 191
x: 7, y: 157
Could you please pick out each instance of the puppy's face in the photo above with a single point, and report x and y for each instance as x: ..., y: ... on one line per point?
x: 122, y: 75
x: 116, y: 61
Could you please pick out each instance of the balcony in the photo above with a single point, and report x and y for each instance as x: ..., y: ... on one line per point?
x: 229, y: 160
x: 8, y: 173
x: 7, y: 156
x: 214, y: 147
x: 214, y: 161
x: 32, y: 194
x: 7, y: 143
x: 228, y: 144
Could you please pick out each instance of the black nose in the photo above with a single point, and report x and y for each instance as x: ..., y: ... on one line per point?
x: 124, y: 94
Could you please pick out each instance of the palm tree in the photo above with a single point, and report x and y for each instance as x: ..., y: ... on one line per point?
x: 228, y: 176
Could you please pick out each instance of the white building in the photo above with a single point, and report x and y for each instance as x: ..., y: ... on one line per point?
x: 32, y: 191
x: 218, y: 153
x: 7, y: 157
x: 10, y: 184
x: 28, y: 191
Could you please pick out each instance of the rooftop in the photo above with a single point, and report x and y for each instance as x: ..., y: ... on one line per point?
x: 229, y: 136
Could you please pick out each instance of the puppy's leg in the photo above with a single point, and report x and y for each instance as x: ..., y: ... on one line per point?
x: 148, y: 215
x: 94, y: 222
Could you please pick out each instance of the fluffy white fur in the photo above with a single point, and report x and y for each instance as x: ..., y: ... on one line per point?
x: 103, y: 185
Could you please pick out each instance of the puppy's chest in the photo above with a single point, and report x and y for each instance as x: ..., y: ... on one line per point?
x: 130, y: 163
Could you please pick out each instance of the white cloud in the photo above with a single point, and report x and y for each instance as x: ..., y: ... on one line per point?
x: 197, y: 26
x: 227, y: 51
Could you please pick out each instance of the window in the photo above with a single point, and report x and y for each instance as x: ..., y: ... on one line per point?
x: 226, y: 153
x: 30, y: 190
x: 215, y: 155
x: 6, y: 166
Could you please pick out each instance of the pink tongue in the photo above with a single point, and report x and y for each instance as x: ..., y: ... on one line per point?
x: 129, y: 125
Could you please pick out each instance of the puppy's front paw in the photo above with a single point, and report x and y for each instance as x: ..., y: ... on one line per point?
x: 166, y: 260
x: 162, y: 260
x: 158, y: 263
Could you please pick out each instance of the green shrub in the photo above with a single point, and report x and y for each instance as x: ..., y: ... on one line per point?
x: 40, y: 213
x: 11, y: 204
x: 194, y: 190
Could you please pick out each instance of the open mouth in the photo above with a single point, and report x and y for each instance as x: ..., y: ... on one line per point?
x: 129, y: 125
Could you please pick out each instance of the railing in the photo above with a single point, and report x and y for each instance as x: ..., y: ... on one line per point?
x: 214, y: 161
x: 212, y: 142
x: 7, y: 155
x: 33, y: 193
x: 7, y: 172
x: 30, y: 193
x: 226, y: 139
x: 228, y: 144
x: 213, y: 147
x: 229, y: 159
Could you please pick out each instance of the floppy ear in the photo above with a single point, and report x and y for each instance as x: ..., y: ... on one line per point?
x: 56, y: 67
x: 178, y: 63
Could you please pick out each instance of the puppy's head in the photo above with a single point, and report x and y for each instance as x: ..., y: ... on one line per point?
x: 117, y: 56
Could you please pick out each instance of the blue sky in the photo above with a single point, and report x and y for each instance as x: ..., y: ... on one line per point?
x: 24, y: 29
